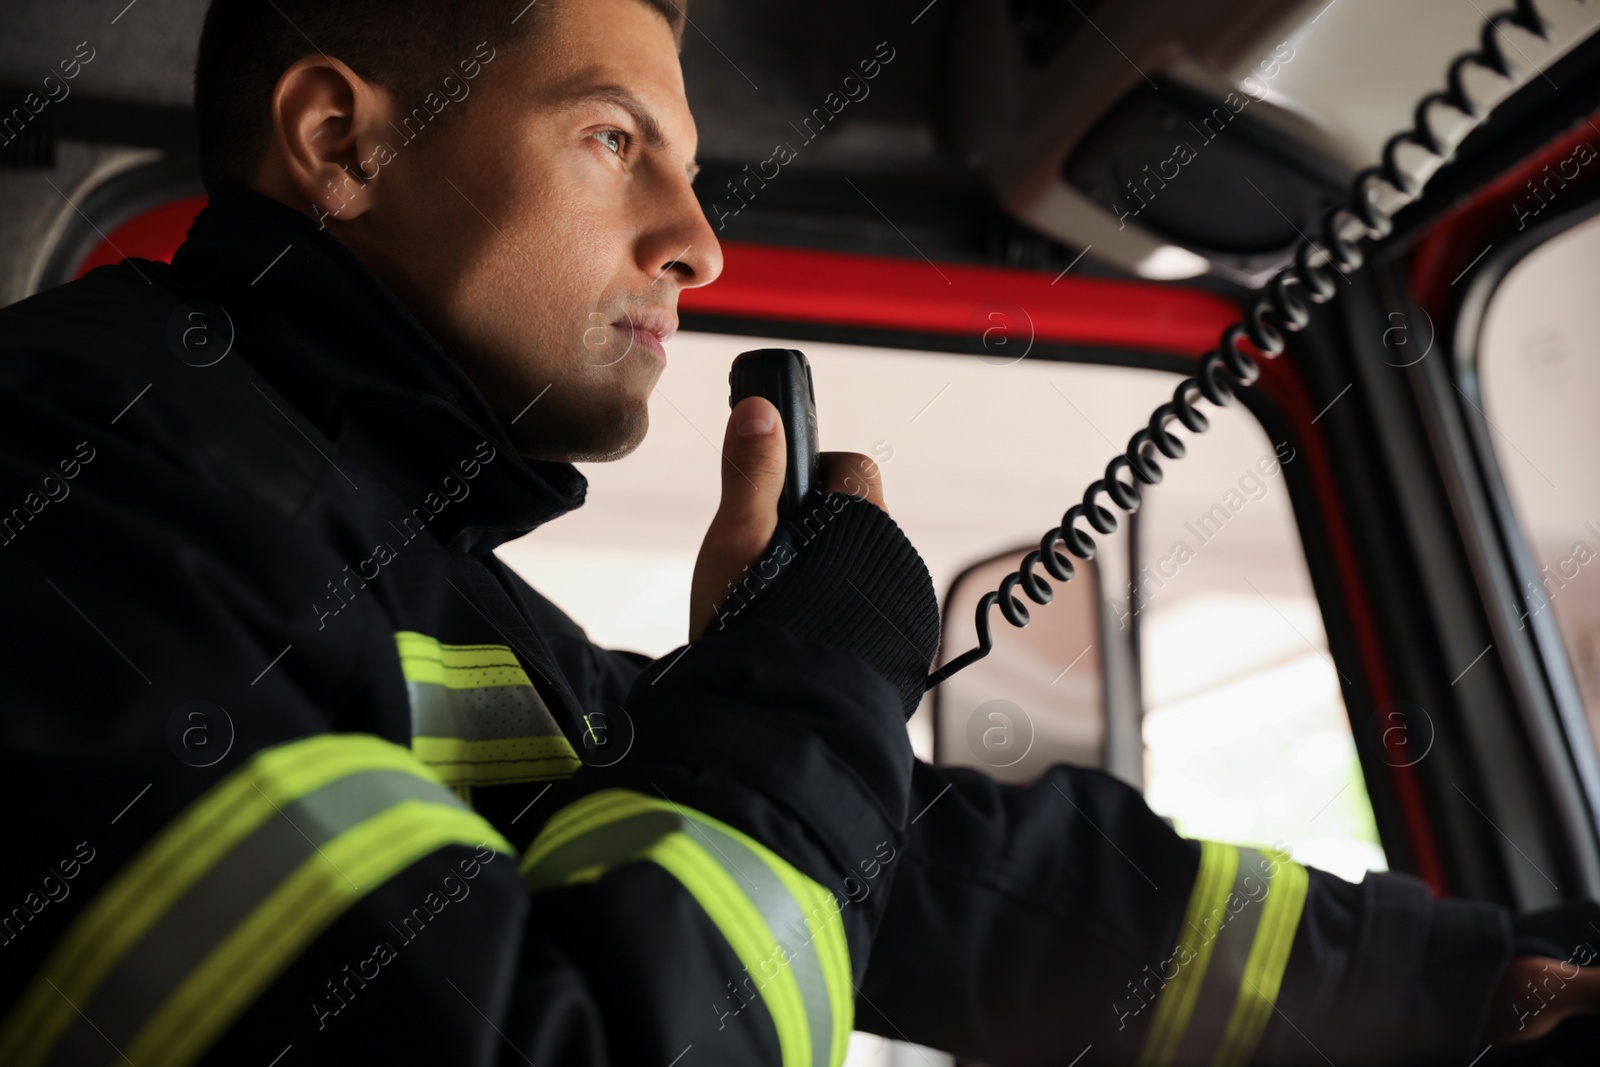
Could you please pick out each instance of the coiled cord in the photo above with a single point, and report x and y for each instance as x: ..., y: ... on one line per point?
x: 1409, y: 159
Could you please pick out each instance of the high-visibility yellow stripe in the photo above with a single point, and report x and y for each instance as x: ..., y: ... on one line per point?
x: 425, y: 659
x: 730, y: 907
x: 821, y: 910
x: 1269, y: 958
x: 420, y: 646
x: 584, y: 874
x: 352, y: 865
x: 1175, y: 1004
x: 171, y: 863
x: 581, y: 816
x: 476, y: 718
x: 504, y: 759
x: 747, y: 934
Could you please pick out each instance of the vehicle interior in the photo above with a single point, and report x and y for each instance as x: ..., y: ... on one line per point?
x: 1355, y: 620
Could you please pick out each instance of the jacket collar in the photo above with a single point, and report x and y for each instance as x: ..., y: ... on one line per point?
x: 343, y: 349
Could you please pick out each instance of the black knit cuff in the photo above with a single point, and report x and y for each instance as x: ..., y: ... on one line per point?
x: 842, y: 572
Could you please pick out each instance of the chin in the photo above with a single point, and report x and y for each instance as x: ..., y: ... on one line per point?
x: 605, y: 454
x: 597, y: 434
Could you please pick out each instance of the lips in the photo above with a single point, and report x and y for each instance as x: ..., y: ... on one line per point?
x: 649, y: 329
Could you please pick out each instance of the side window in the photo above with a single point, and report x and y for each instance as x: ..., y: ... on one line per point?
x: 1538, y: 376
x: 1247, y: 738
x: 1037, y: 698
x: 1245, y: 735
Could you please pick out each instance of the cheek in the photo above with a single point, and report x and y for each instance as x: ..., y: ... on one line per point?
x: 568, y: 255
x: 527, y: 254
x: 580, y: 225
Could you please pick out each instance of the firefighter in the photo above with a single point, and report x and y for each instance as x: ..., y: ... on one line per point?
x: 300, y: 772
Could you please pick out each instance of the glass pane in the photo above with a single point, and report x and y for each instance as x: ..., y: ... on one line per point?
x: 1246, y: 733
x: 1035, y: 699
x: 1539, y: 377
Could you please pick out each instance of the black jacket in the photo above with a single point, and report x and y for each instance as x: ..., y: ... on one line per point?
x: 296, y: 764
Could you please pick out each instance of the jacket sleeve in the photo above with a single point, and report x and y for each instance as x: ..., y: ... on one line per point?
x: 766, y: 784
x: 1011, y: 902
x: 780, y: 765
x: 1030, y: 924
x: 230, y: 851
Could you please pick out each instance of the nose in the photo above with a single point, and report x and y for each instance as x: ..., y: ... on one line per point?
x: 683, y: 243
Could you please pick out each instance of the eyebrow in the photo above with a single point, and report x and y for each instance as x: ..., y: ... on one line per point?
x: 623, y: 98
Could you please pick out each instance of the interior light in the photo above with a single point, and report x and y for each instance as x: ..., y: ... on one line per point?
x: 1169, y: 263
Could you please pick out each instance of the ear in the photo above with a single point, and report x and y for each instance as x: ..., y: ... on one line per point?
x: 327, y: 124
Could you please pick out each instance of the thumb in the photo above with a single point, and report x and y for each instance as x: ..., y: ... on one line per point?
x: 753, y: 467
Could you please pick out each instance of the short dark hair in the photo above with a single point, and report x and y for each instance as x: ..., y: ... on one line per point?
x: 407, y: 46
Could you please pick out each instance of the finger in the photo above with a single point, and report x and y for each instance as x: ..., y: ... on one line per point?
x: 852, y: 473
x: 753, y: 466
x: 747, y: 515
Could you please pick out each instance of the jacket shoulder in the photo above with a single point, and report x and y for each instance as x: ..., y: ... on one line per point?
x: 120, y: 348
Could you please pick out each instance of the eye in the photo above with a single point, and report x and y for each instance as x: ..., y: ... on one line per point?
x: 615, y: 140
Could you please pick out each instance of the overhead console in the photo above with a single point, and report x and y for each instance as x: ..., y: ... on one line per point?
x: 1175, y: 138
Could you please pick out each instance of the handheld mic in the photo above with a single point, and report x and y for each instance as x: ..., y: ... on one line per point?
x: 783, y: 376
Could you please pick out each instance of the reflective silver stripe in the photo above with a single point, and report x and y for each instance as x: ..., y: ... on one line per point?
x: 1237, y: 934
x: 627, y: 837
x: 1232, y: 954
x: 199, y: 920
x: 772, y: 898
x: 476, y: 718
x: 490, y: 713
x: 604, y: 848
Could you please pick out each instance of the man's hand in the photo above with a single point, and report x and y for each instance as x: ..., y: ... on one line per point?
x: 753, y: 464
x: 1538, y: 992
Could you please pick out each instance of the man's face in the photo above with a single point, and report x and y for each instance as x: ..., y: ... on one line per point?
x: 544, y: 231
